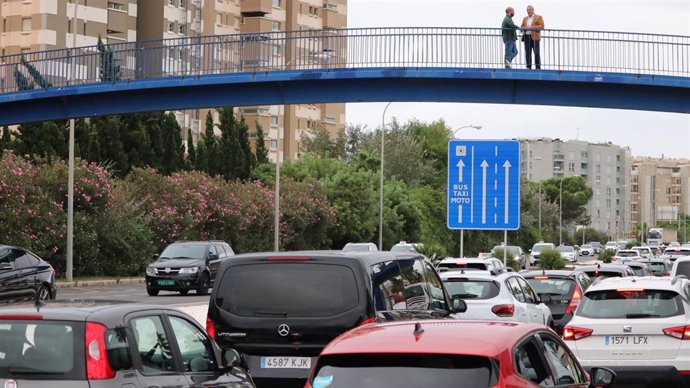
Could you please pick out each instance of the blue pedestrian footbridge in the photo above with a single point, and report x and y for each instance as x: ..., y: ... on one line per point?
x: 601, y: 69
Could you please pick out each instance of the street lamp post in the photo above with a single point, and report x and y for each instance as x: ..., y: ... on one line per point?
x: 560, y: 205
x: 383, y: 131
x: 276, y: 211
x: 462, y: 231
x: 69, y: 257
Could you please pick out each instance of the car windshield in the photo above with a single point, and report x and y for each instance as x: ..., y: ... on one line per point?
x: 554, y: 287
x: 459, y: 287
x: 566, y: 249
x: 679, y: 252
x: 630, y: 304
x: 512, y: 249
x: 586, y: 247
x: 604, y: 274
x: 639, y: 270
x: 184, y: 251
x: 540, y: 247
x: 627, y: 254
x: 464, y: 265
x: 42, y: 350
x: 404, y: 371
x: 611, y: 244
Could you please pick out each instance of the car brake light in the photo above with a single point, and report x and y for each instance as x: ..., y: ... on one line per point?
x: 574, y: 301
x: 367, y: 321
x: 541, y: 277
x: 630, y: 289
x: 665, y: 275
x: 288, y: 259
x: 21, y: 317
x: 503, y: 310
x: 679, y: 332
x: 97, y: 365
x: 210, y: 328
x: 572, y: 333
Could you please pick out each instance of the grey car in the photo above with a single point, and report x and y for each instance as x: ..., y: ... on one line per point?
x: 88, y: 344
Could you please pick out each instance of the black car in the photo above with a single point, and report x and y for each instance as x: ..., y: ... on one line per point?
x: 25, y: 276
x: 187, y: 265
x: 658, y: 266
x: 280, y: 309
x: 640, y: 269
x: 565, y: 289
x: 89, y: 344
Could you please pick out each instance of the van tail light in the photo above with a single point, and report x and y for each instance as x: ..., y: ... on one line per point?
x: 574, y: 301
x: 367, y: 321
x: 665, y: 275
x: 97, y: 365
x: 679, y: 332
x: 21, y: 317
x: 503, y: 310
x: 211, y: 328
x: 572, y: 333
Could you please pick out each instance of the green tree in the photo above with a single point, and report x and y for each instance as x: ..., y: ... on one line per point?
x: 6, y: 142
x: 136, y: 141
x: 190, y: 148
x: 110, y: 143
x: 172, y: 144
x: 248, y: 158
x: 576, y: 195
x: 261, y: 151
x: 211, y: 146
x: 318, y: 141
x: 93, y: 149
x: 354, y: 135
x: 45, y: 139
x: 152, y: 123
x: 201, y: 162
x: 109, y: 70
x: 233, y: 164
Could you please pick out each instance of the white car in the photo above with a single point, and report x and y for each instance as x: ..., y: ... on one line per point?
x: 360, y: 247
x: 681, y: 267
x: 645, y: 252
x: 673, y: 253
x: 404, y: 246
x: 625, y: 256
x: 504, y: 297
x: 537, y: 249
x: 636, y: 326
x: 455, y: 264
x: 611, y: 246
x: 568, y: 253
x: 586, y: 250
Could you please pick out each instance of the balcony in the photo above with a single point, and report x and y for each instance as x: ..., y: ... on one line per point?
x: 558, y: 157
x: 333, y: 19
x: 257, y: 24
x: 253, y: 8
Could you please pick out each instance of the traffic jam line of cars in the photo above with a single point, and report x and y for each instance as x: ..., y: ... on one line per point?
x: 360, y: 317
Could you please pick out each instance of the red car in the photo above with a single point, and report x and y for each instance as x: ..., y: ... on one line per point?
x: 447, y: 353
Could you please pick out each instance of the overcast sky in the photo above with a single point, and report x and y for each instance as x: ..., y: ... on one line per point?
x: 646, y: 133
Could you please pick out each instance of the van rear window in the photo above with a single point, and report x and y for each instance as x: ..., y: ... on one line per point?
x: 288, y: 290
x: 42, y: 350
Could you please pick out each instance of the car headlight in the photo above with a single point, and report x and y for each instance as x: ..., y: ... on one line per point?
x: 150, y: 270
x: 189, y: 270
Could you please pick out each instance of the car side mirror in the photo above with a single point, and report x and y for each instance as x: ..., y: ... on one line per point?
x: 6, y: 267
x: 457, y: 306
x: 602, y: 377
x: 545, y: 298
x: 231, y: 358
x: 213, y: 256
x: 529, y: 250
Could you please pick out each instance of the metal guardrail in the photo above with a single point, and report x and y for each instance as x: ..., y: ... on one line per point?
x: 593, y: 51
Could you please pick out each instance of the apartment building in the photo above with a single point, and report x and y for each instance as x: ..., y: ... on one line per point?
x: 283, y: 126
x: 34, y: 25
x: 606, y: 168
x: 660, y: 189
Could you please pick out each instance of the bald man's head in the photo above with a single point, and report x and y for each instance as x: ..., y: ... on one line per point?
x: 510, y: 11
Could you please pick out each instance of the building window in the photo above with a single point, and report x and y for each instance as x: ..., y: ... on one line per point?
x: 115, y: 6
x: 181, y: 29
x: 183, y: 3
x: 274, y: 144
x: 276, y: 3
x: 171, y: 27
x: 26, y: 24
x: 274, y: 121
x: 172, y: 3
x: 571, y: 167
x: 275, y: 26
x: 583, y: 155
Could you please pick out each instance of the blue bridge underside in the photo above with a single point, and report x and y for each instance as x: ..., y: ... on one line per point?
x: 582, y: 89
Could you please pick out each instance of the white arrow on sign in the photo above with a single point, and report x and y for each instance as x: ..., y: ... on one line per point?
x: 484, y: 166
x: 507, y: 166
x: 460, y: 165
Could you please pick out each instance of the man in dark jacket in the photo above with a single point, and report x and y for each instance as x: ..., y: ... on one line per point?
x: 509, y: 36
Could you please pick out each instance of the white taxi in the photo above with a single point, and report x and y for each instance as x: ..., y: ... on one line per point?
x: 638, y: 326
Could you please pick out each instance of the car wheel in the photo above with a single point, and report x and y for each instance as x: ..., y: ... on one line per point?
x: 152, y: 291
x: 184, y: 292
x: 202, y: 288
x: 43, y: 293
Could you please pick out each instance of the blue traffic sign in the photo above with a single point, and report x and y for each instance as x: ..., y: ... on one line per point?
x: 484, y: 184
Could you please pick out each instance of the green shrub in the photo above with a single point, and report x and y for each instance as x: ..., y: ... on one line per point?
x: 606, y: 256
x: 511, y: 261
x: 434, y: 251
x: 551, y: 259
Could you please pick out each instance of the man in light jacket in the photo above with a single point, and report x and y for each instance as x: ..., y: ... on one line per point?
x: 532, y: 24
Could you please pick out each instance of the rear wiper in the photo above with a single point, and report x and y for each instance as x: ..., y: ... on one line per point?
x: 642, y: 315
x: 23, y: 370
x: 184, y: 257
x: 271, y: 313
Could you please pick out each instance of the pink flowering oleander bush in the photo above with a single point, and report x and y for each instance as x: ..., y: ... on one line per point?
x: 307, y: 215
x: 29, y: 215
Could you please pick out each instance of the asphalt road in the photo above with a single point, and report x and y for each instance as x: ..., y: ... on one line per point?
x: 131, y: 293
